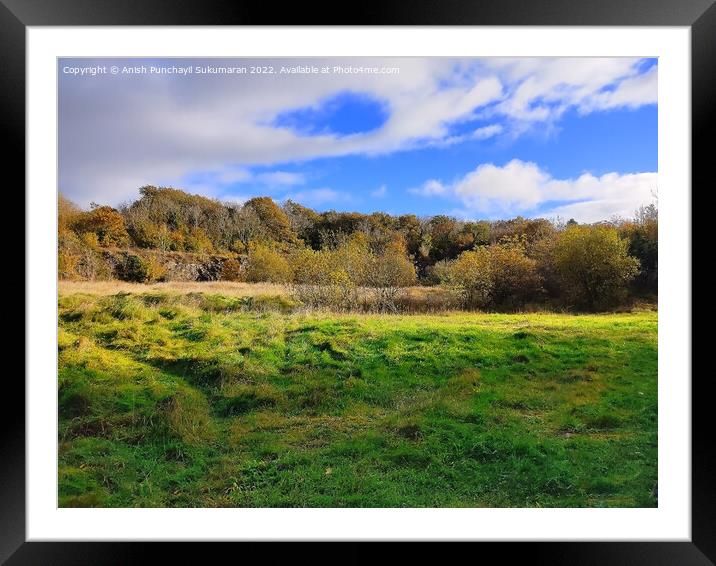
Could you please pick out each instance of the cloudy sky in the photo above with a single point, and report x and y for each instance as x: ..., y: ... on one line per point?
x: 475, y: 138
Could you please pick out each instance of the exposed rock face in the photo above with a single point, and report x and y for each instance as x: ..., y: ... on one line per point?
x: 178, y: 266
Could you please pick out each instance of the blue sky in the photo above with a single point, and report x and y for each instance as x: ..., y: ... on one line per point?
x: 475, y: 138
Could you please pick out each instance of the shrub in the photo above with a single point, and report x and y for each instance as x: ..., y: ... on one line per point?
x: 330, y: 278
x: 497, y: 275
x: 353, y: 257
x: 231, y: 270
x: 142, y: 270
x: 310, y: 267
x: 387, y: 274
x: 515, y: 279
x: 593, y: 265
x: 471, y: 273
x: 265, y: 264
x: 78, y: 260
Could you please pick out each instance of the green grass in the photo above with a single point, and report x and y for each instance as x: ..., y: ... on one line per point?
x: 169, y: 400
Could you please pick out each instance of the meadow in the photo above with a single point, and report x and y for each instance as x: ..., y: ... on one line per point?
x: 177, y: 397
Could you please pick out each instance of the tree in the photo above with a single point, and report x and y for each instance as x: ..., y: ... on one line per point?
x: 246, y: 227
x: 106, y: 223
x: 643, y: 236
x: 67, y: 213
x: 303, y: 220
x: 443, y: 237
x: 142, y: 269
x: 167, y: 218
x: 274, y: 220
x: 593, y: 265
x: 231, y: 270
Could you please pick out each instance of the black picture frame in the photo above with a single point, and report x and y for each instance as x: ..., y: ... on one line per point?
x: 699, y: 15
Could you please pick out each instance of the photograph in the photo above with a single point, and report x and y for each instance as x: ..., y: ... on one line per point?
x: 357, y: 282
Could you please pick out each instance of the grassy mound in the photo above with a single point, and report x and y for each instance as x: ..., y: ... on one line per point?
x: 188, y: 400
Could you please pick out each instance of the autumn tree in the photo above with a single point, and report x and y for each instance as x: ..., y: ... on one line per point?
x: 106, y: 223
x: 274, y: 220
x: 303, y: 221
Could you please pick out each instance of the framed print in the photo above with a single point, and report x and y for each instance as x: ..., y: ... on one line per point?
x: 294, y: 278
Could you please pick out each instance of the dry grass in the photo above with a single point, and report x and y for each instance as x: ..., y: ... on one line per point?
x: 226, y: 288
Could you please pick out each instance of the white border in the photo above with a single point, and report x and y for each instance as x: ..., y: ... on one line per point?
x: 671, y: 521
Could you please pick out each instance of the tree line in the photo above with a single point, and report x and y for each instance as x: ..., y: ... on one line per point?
x: 327, y: 256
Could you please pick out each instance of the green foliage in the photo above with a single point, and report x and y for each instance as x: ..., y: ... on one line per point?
x: 218, y: 405
x: 593, y: 265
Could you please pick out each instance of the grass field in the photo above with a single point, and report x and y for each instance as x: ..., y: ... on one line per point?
x: 184, y: 399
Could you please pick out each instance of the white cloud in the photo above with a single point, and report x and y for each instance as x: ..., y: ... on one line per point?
x: 380, y: 192
x: 542, y: 89
x: 522, y: 187
x: 632, y: 93
x: 477, y: 134
x: 230, y: 175
x: 280, y: 178
x: 222, y: 182
x: 117, y: 133
x: 429, y: 188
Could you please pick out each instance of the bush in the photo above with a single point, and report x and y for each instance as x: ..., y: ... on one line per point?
x: 387, y: 274
x: 142, y: 270
x: 497, y: 275
x: 330, y: 278
x: 310, y: 267
x: 515, y: 279
x: 593, y: 266
x: 231, y: 270
x: 265, y: 264
x: 471, y: 273
x: 76, y: 259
